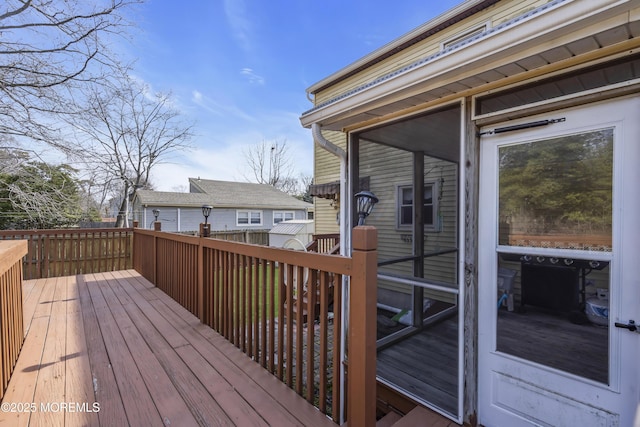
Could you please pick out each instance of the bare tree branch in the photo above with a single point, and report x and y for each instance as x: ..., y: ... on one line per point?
x: 49, y: 50
x: 271, y: 164
x: 126, y: 131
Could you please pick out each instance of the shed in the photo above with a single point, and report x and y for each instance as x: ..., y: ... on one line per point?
x: 293, y: 234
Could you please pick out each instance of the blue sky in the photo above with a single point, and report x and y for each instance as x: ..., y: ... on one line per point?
x: 240, y: 68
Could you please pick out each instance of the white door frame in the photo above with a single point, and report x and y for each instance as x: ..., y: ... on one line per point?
x: 513, y: 391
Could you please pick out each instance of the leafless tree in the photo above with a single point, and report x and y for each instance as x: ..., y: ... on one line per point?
x: 271, y: 164
x: 126, y: 131
x: 48, y: 49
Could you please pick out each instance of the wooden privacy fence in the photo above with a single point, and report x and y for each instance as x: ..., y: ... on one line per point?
x: 56, y: 253
x: 11, y: 321
x: 282, y: 308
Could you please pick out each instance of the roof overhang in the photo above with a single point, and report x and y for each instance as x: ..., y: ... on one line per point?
x: 560, y: 31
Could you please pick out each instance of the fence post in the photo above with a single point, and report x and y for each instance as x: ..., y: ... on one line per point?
x: 361, y: 352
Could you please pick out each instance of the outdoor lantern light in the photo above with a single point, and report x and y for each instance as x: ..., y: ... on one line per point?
x: 365, y: 200
x: 205, y: 231
x: 206, y: 211
x: 156, y: 213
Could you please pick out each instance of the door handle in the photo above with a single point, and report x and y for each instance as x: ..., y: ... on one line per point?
x: 630, y: 326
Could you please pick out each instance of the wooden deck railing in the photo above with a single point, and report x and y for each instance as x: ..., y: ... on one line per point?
x: 56, y: 253
x: 256, y: 237
x: 11, y: 321
x: 325, y: 243
x: 280, y: 307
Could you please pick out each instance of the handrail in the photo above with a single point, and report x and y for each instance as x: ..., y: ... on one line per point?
x: 265, y: 299
x: 11, y: 317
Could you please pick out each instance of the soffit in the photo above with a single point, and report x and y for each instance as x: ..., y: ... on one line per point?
x: 437, y: 134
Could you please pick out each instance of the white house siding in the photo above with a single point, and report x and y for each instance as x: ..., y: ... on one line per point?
x: 495, y: 15
x: 226, y: 219
x: 188, y: 219
x: 171, y: 218
x: 327, y: 169
x: 388, y: 168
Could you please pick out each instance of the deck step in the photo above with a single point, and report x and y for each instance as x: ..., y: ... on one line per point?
x: 420, y: 416
x: 389, y: 420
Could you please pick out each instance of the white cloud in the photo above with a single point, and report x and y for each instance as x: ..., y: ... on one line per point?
x: 218, y: 109
x: 221, y: 156
x: 252, y: 77
x: 240, y: 24
x: 204, y: 162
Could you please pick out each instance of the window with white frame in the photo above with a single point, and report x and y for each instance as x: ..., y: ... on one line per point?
x: 405, y: 206
x: 279, y: 216
x: 248, y: 218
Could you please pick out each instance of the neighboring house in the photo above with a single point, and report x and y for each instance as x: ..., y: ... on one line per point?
x: 514, y: 125
x: 236, y: 206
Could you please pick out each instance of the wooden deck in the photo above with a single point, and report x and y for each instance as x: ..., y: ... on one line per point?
x: 111, y: 349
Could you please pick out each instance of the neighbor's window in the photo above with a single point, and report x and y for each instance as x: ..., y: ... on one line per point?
x: 249, y: 217
x: 405, y: 206
x: 278, y: 217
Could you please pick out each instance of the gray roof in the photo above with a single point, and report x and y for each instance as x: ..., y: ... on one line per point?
x: 167, y: 198
x: 224, y: 194
x: 233, y: 194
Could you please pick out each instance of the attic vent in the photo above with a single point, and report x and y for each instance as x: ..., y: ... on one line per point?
x: 464, y: 37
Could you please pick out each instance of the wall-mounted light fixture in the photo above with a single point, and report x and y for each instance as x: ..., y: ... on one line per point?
x: 365, y: 201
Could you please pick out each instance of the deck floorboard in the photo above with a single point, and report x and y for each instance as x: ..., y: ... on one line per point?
x: 115, y: 342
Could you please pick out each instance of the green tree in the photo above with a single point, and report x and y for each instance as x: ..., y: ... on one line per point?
x: 39, y: 195
x: 558, y: 185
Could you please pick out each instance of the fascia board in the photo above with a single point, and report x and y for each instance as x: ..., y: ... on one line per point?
x: 530, y: 35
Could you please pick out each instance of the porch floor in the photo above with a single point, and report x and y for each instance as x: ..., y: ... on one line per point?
x: 111, y: 349
x: 425, y: 364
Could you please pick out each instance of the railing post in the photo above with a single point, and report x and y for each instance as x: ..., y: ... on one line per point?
x: 205, y: 230
x: 155, y: 259
x: 361, y: 352
x: 157, y: 226
x: 200, y: 278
